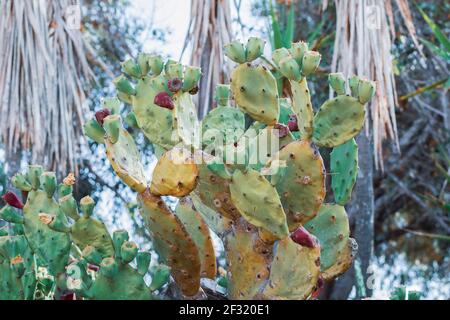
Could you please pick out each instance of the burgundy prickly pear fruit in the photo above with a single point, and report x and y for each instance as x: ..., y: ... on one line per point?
x: 194, y: 90
x: 11, y: 199
x: 302, y: 237
x: 163, y: 100
x: 175, y: 85
x: 282, y: 130
x: 101, y: 115
x: 93, y: 267
x: 292, y: 124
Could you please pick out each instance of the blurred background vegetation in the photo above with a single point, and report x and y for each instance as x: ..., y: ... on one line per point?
x: 406, y: 229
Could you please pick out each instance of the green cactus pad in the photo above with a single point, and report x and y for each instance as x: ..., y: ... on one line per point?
x: 126, y: 284
x: 331, y: 227
x: 17, y: 269
x: 88, y: 231
x: 50, y: 246
x: 186, y: 120
x: 116, y: 279
x: 343, y: 262
x: 214, y: 192
x: 258, y: 202
x: 126, y: 161
x: 235, y: 51
x: 172, y: 242
x: 198, y: 230
x: 155, y: 122
x: 294, y: 271
x: 225, y: 123
x: 160, y: 276
x: 338, y: 120
x: 302, y: 106
x: 218, y: 223
x: 248, y: 260
x: 344, y: 170
x: 302, y: 186
x: 175, y: 174
x: 255, y: 91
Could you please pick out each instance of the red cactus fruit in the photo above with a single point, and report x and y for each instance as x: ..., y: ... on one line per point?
x: 11, y: 199
x: 292, y: 124
x: 282, y: 130
x: 93, y: 267
x: 302, y: 237
x: 68, y: 296
x: 175, y: 85
x: 163, y: 100
x: 101, y: 115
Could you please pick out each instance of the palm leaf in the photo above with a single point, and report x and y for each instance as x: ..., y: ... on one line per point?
x: 276, y: 30
x: 440, y: 36
x: 289, y: 33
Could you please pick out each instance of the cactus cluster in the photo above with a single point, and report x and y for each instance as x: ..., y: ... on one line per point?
x: 53, y: 232
x: 259, y: 187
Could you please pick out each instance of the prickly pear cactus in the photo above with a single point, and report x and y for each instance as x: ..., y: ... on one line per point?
x: 214, y: 192
x: 331, y: 227
x: 344, y: 168
x: 199, y: 231
x: 260, y: 181
x: 51, y: 247
x: 294, y: 271
x: 175, y: 174
x: 86, y: 231
x: 258, y: 202
x: 115, y: 278
x: 301, y: 185
x: 173, y: 243
x: 255, y: 90
x: 248, y: 259
x: 17, y: 268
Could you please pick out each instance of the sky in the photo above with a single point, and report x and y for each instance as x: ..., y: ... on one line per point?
x: 173, y: 15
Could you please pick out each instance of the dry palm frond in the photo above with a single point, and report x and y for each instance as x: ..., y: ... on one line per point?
x: 363, y: 47
x: 209, y: 30
x: 42, y: 83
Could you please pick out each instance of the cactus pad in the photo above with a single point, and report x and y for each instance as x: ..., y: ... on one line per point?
x: 344, y: 169
x: 331, y: 227
x: 198, y: 230
x: 226, y: 123
x: 248, y: 261
x: 215, y: 193
x: 186, y: 121
x: 17, y: 269
x: 125, y: 159
x: 255, y: 92
x: 155, y: 122
x: 294, y: 271
x: 218, y: 223
x: 302, y: 106
x: 258, y: 202
x: 338, y: 120
x: 343, y: 262
x: 175, y: 174
x: 115, y: 279
x: 173, y: 243
x: 302, y: 187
